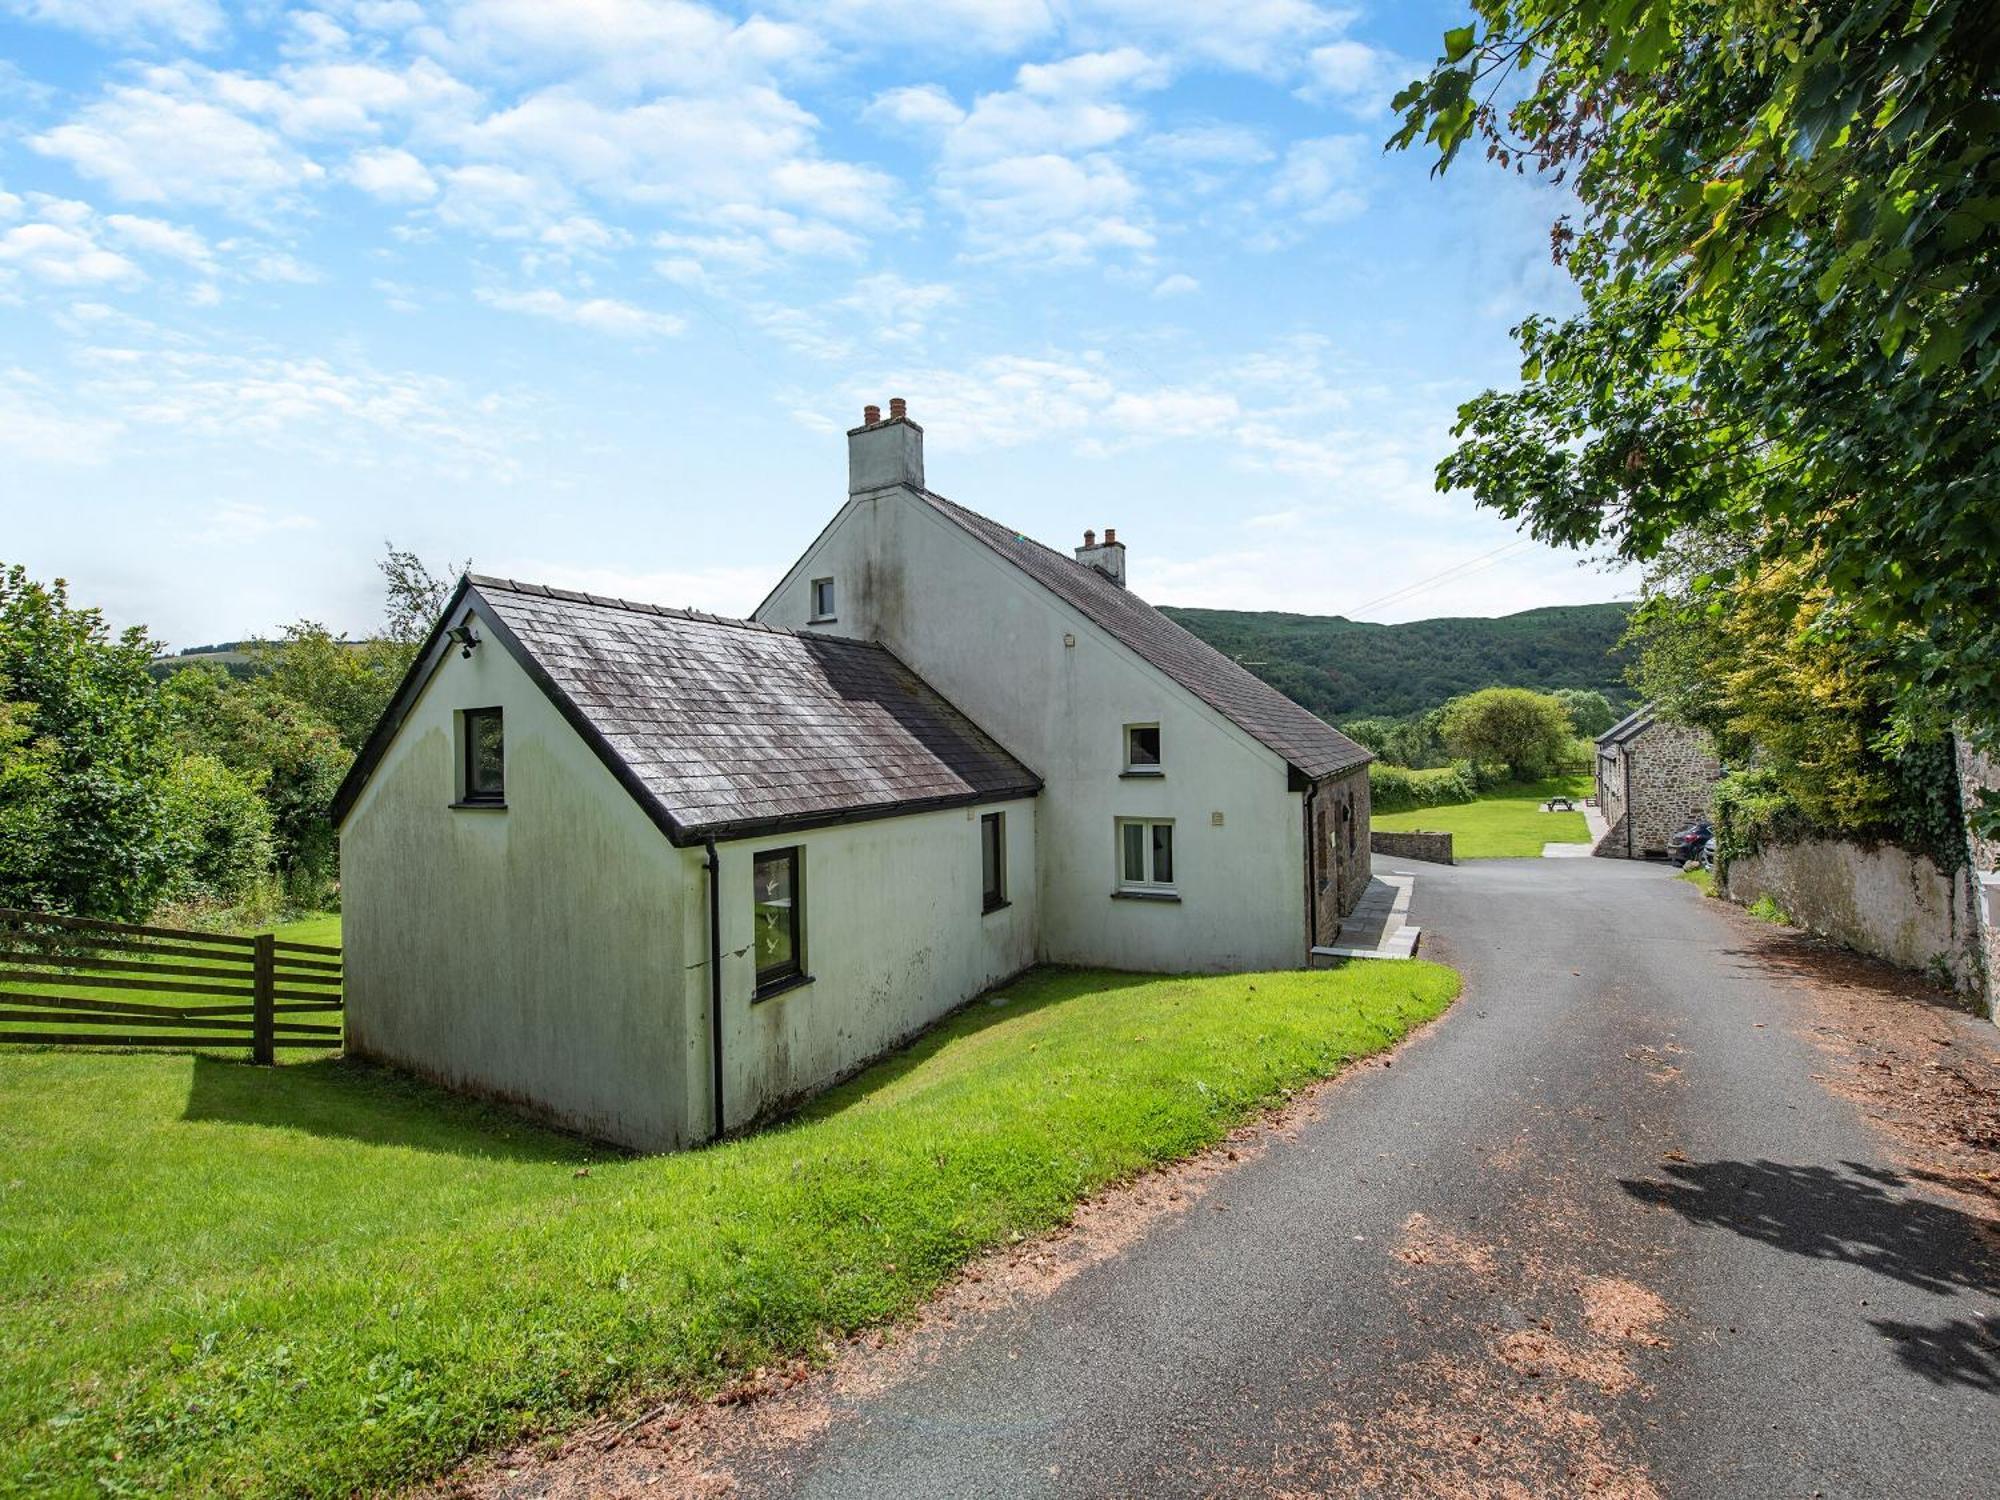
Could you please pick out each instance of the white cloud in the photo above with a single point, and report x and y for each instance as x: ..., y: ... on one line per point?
x: 197, y: 23
x: 391, y: 174
x: 499, y: 200
x: 149, y: 145
x: 236, y: 522
x: 1214, y: 144
x: 307, y: 407
x: 1356, y: 75
x: 628, y: 45
x: 1318, y: 181
x: 1050, y: 209
x: 157, y: 237
x: 930, y: 26
x: 35, y: 429
x: 64, y: 255
x: 1177, y: 285
x: 606, y: 315
x: 924, y: 106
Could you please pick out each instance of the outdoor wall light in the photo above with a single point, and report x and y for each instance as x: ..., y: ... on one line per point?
x: 464, y: 637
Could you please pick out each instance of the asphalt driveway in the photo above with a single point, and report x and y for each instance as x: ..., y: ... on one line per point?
x: 1600, y: 1232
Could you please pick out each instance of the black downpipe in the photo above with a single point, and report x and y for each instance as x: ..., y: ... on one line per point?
x: 715, y: 982
x: 1625, y: 759
x: 1312, y: 876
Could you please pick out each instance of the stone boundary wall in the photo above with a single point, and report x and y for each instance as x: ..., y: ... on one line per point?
x: 1434, y: 847
x: 1876, y: 899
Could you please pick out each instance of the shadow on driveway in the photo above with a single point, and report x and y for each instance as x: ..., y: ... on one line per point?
x: 1863, y: 1216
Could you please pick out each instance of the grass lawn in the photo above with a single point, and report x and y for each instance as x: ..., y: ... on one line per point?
x: 321, y: 927
x: 324, y: 1277
x: 1507, y: 821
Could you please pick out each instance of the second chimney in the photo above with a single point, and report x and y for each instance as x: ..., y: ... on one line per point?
x: 1107, y: 557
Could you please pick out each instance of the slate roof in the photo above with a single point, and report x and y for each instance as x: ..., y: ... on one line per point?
x: 1630, y: 727
x: 1308, y: 743
x: 724, y: 728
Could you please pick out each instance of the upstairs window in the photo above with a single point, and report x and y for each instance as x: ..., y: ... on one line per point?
x: 484, y: 772
x: 1145, y: 855
x: 993, y: 860
x: 778, y: 914
x: 1142, y: 750
x: 822, y: 600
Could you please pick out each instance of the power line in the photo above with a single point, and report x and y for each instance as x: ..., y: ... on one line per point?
x: 1409, y: 590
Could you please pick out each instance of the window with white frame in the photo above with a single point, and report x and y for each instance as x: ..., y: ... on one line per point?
x: 1142, y: 750
x: 1145, y: 855
x: 822, y: 600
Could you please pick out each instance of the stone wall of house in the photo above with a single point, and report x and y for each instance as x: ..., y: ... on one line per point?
x: 1434, y: 847
x: 1873, y: 898
x: 1342, y: 867
x: 1671, y: 770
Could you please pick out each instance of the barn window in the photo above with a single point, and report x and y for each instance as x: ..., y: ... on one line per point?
x: 778, y: 914
x: 484, y: 766
x: 1142, y: 749
x: 1145, y: 856
x: 822, y: 600
x: 993, y: 860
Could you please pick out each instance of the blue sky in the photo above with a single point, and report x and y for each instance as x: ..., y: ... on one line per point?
x: 589, y: 292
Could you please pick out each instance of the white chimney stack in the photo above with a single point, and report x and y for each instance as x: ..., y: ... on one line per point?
x: 1108, y: 556
x: 883, y: 453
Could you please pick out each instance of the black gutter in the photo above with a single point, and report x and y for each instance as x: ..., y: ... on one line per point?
x: 750, y: 828
x: 714, y: 863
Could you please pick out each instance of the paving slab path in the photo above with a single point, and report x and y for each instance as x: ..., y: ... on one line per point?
x: 1603, y: 1230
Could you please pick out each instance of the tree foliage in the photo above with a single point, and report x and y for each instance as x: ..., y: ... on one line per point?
x: 1346, y: 669
x: 1786, y: 240
x: 83, y: 749
x: 1810, y: 724
x: 1590, y: 714
x: 1528, y: 733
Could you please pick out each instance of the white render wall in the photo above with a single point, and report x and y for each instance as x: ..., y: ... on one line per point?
x: 533, y: 954
x: 991, y: 640
x: 894, y: 939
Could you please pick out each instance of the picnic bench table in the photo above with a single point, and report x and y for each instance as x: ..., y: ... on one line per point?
x: 1559, y: 804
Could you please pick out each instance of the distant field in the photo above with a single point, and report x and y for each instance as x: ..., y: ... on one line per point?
x: 1507, y: 823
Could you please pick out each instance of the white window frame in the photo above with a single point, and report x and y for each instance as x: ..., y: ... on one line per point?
x: 1137, y: 768
x: 828, y: 614
x: 1151, y: 884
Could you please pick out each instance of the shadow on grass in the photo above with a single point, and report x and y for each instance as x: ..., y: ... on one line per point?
x: 345, y: 1099
x: 1857, y: 1215
x: 1035, y: 991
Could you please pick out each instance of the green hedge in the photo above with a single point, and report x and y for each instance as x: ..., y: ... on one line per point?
x: 1399, y: 789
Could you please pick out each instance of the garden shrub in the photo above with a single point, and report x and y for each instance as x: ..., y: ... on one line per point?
x: 1399, y: 789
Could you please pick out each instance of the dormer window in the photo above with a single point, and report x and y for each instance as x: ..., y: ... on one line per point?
x: 822, y: 601
x: 1142, y: 750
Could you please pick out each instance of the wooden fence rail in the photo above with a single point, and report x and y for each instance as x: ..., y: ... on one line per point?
x: 77, y: 982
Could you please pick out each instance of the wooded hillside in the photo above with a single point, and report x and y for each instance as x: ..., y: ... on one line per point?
x: 1346, y: 669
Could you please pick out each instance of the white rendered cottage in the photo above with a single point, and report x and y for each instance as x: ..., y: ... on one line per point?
x: 653, y: 874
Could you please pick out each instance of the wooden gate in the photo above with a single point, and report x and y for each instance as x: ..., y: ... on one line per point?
x: 76, y: 982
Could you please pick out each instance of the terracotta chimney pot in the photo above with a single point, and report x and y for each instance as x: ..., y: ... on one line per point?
x: 898, y: 408
x: 1089, y: 537
x: 870, y: 415
x: 1110, y: 535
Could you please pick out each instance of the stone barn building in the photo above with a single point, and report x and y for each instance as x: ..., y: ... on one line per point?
x: 1653, y: 779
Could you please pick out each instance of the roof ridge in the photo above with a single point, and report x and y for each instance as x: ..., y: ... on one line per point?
x: 492, y: 582
x: 1233, y: 678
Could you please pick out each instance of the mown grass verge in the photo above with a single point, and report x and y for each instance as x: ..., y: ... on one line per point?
x: 324, y: 1277
x: 1507, y: 822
